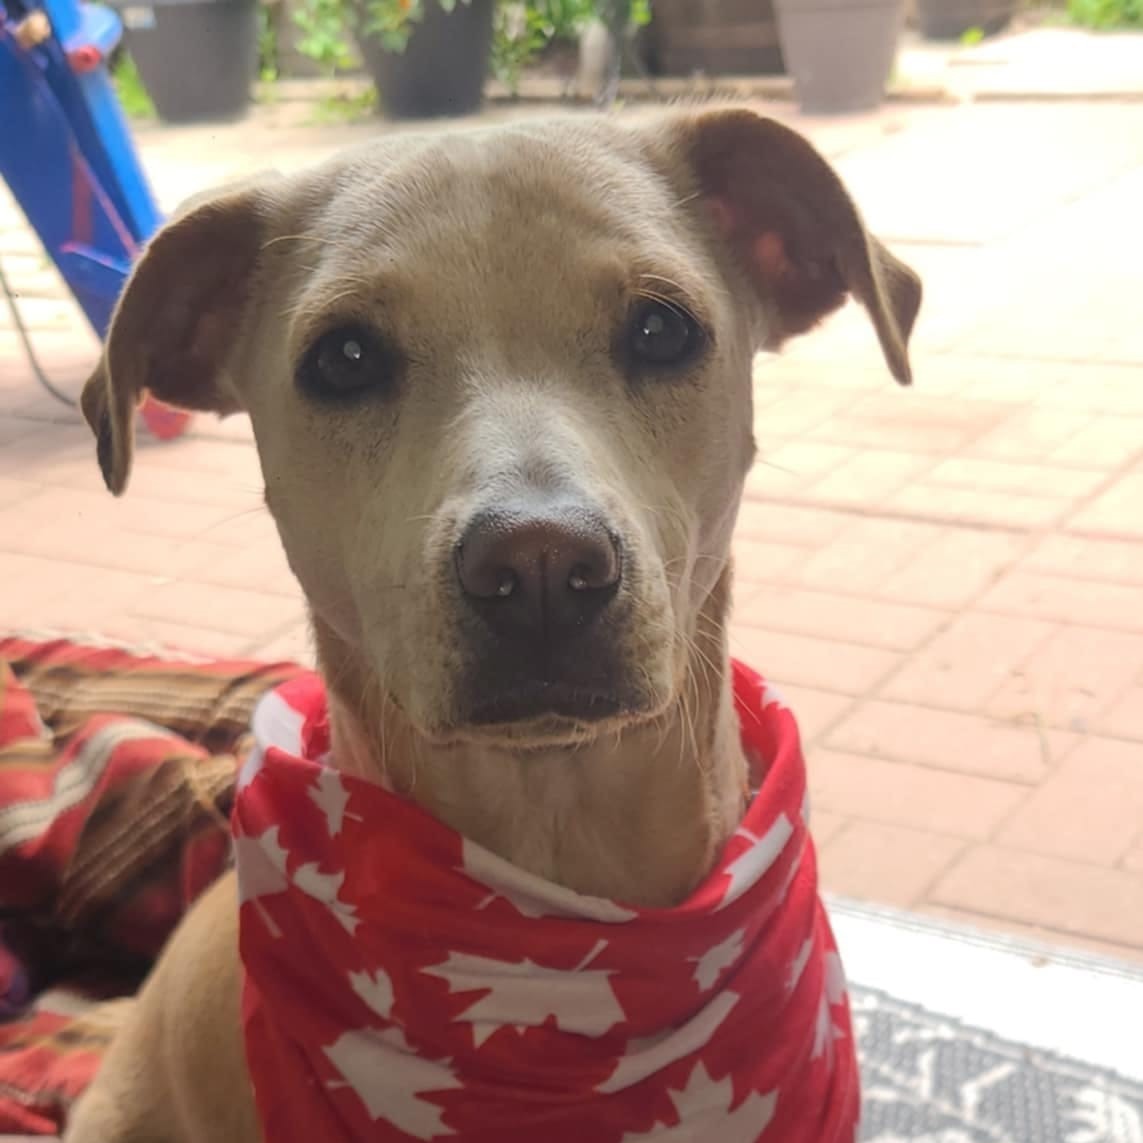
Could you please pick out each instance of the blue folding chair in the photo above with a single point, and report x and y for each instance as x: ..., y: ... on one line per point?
x: 67, y: 156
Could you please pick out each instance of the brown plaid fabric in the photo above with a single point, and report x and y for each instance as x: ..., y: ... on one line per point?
x: 116, y: 778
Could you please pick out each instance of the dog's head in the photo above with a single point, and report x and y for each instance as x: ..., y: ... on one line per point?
x: 500, y: 383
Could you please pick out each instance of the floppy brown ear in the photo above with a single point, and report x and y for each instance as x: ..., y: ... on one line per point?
x: 175, y: 324
x: 796, y: 231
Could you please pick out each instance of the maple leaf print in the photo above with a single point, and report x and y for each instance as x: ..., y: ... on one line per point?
x: 524, y: 994
x: 715, y: 961
x: 261, y: 864
x: 752, y: 865
x: 324, y: 887
x: 532, y: 896
x: 331, y: 797
x: 391, y: 1081
x: 799, y: 963
x: 376, y: 989
x: 704, y: 1112
x: 645, y: 1057
x: 771, y: 696
x: 273, y: 723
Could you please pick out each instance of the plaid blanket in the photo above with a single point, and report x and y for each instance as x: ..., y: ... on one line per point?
x: 116, y: 778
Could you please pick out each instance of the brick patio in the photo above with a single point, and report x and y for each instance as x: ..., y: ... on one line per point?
x: 947, y: 581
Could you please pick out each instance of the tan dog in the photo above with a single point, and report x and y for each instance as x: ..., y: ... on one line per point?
x: 500, y: 383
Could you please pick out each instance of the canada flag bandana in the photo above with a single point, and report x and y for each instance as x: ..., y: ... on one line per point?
x: 403, y: 983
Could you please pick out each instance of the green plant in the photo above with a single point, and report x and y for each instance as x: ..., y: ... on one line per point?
x: 327, y: 24
x: 133, y: 96
x: 518, y: 35
x: 971, y: 37
x: 1106, y: 13
x: 267, y: 46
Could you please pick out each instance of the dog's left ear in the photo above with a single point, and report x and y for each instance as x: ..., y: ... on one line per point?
x: 794, y: 229
x: 177, y: 322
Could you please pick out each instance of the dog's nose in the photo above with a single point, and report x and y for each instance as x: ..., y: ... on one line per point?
x: 539, y: 573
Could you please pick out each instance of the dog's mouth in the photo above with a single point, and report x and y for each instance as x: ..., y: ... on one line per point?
x: 543, y: 701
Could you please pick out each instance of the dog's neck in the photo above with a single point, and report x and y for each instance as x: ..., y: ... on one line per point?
x: 638, y: 815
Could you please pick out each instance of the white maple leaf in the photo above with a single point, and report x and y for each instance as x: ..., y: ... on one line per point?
x: 390, y: 1080
x: 261, y: 865
x: 645, y: 1057
x: 752, y: 865
x: 716, y: 960
x: 532, y: 896
x: 799, y: 964
x: 324, y: 887
x: 704, y: 1112
x: 331, y: 797
x: 274, y: 723
x: 771, y: 696
x: 376, y: 989
x: 523, y: 994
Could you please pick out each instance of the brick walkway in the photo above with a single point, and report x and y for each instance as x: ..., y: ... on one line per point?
x: 949, y: 581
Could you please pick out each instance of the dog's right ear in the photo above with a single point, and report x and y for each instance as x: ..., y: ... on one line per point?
x: 176, y: 323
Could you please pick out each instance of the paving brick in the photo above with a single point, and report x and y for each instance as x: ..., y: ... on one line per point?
x: 293, y: 645
x: 1031, y: 435
x: 978, y: 506
x: 814, y: 709
x: 865, y: 554
x: 253, y: 614
x: 916, y: 797
x: 765, y: 562
x: 893, y: 865
x: 911, y: 421
x: 260, y: 567
x: 1124, y: 718
x: 954, y: 569
x: 1070, y: 679
x: 1037, y: 934
x: 1097, y: 604
x: 1089, y: 810
x: 968, y: 662
x: 1021, y: 479
x: 820, y: 663
x: 789, y: 523
x: 1112, y: 561
x: 1088, y: 900
x: 1133, y: 860
x: 1116, y: 512
x: 949, y: 740
x: 868, y: 478
x: 847, y: 618
x: 825, y: 826
x: 1105, y: 442
x: 795, y: 413
x: 791, y: 468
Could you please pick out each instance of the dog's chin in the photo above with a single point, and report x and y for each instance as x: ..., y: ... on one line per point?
x: 547, y: 716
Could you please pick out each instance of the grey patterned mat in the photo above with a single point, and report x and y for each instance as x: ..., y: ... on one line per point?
x: 930, y: 1079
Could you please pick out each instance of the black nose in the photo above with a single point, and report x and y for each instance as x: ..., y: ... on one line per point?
x: 538, y: 573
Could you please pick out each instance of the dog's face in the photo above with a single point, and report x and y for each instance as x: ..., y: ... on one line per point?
x: 501, y: 388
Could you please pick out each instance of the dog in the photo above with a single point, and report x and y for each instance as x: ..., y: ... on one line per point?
x: 500, y: 385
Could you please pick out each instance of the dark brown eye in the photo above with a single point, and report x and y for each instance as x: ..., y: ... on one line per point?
x: 662, y: 335
x: 346, y: 361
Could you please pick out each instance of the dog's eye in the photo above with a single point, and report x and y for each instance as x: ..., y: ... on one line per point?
x: 662, y: 335
x: 344, y: 361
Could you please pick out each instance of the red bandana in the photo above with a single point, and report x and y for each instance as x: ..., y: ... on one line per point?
x: 402, y: 983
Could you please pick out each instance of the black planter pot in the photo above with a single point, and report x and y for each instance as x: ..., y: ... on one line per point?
x: 442, y: 69
x: 840, y: 53
x: 950, y: 19
x: 196, y: 58
x: 714, y: 37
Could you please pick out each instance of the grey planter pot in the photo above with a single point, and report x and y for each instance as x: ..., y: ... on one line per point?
x: 840, y: 53
x: 950, y: 19
x: 442, y: 70
x: 196, y: 58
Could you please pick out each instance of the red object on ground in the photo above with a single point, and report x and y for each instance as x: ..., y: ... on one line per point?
x: 164, y: 422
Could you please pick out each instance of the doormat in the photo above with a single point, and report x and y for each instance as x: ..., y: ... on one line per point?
x: 931, y: 1079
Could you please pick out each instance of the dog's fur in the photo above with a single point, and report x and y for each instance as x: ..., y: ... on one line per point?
x: 499, y: 266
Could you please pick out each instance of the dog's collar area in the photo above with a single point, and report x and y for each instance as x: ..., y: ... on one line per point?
x: 396, y: 973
